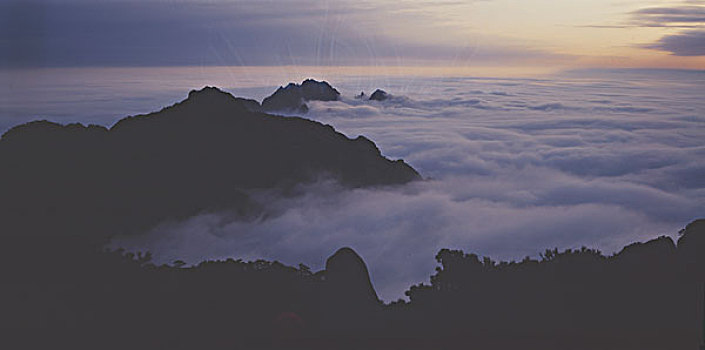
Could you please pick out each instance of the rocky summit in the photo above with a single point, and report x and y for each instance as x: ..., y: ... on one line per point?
x: 379, y: 95
x: 293, y: 97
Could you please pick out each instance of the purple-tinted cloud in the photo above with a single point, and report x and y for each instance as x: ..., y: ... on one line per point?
x: 690, y: 14
x: 678, y: 16
x: 611, y: 162
x: 688, y: 43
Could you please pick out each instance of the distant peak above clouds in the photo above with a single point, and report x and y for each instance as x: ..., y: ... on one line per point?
x: 293, y: 97
x: 379, y: 95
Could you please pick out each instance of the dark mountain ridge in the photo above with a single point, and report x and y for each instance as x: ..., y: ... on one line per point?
x: 197, y: 155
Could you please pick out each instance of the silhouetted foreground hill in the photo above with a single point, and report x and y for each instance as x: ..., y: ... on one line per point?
x: 648, y: 296
x: 201, y: 154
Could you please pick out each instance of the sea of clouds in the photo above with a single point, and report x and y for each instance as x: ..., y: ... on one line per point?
x: 512, y: 167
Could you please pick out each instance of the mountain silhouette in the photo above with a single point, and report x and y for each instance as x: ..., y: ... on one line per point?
x: 691, y: 248
x: 348, y: 279
x: 293, y: 97
x: 348, y: 302
x: 379, y: 95
x: 198, y: 155
x: 648, y: 296
x: 66, y: 189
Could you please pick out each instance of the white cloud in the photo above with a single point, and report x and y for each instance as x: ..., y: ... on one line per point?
x: 399, y: 230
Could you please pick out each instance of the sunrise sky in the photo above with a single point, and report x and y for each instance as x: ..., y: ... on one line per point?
x: 527, y: 34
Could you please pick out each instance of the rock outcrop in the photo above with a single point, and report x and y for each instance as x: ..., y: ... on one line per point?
x: 348, y: 302
x: 379, y: 95
x: 691, y: 248
x: 348, y: 279
x: 293, y: 97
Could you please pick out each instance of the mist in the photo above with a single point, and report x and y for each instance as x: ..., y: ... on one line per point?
x: 512, y: 167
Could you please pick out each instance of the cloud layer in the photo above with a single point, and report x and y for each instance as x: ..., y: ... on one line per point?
x: 515, y: 166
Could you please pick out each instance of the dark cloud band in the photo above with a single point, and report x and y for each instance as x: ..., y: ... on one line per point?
x: 689, y: 43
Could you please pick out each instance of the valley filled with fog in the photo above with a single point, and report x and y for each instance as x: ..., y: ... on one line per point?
x: 511, y: 166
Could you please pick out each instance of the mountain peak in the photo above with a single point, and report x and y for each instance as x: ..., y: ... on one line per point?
x: 379, y: 95
x: 209, y: 92
x: 349, y: 279
x: 214, y: 95
x: 289, y: 98
x: 293, y: 97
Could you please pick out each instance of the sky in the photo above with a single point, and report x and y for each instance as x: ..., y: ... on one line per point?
x: 528, y: 34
